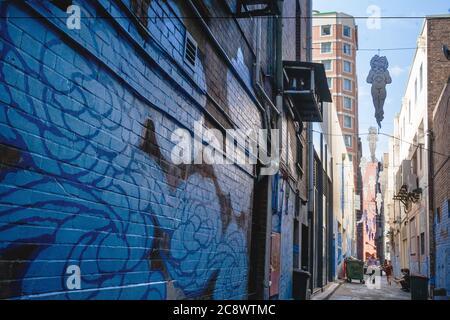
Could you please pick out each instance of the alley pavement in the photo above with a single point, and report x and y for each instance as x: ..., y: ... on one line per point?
x: 357, y: 291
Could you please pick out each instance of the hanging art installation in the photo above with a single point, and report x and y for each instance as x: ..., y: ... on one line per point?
x: 372, y: 138
x: 379, y: 77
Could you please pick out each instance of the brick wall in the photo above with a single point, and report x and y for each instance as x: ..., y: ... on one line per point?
x: 86, y: 179
x: 438, y: 65
x: 441, y: 189
x: 438, y: 74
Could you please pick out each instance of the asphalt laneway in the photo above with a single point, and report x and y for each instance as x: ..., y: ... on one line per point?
x: 357, y: 291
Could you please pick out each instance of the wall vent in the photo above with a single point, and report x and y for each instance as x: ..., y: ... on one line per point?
x: 190, y: 50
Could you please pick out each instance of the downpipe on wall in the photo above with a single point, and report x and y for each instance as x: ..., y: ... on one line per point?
x: 266, y: 125
x: 310, y: 160
x: 431, y: 231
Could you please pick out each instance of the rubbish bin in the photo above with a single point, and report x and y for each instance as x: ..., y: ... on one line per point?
x: 419, y: 287
x: 354, y: 270
x: 300, y: 283
x: 440, y: 294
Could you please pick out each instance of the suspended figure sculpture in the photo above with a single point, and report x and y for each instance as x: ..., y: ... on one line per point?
x: 379, y: 77
x: 372, y: 138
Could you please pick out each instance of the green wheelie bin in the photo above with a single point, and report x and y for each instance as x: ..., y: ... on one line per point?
x: 354, y: 270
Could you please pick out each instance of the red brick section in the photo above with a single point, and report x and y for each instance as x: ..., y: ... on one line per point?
x: 438, y: 66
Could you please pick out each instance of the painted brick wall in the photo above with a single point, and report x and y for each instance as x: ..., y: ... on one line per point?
x: 438, y: 74
x: 441, y: 145
x: 85, y: 179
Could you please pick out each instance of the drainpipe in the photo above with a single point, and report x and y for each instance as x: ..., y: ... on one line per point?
x: 279, y: 69
x: 432, y: 240
x: 278, y: 31
x: 266, y: 125
x: 310, y: 156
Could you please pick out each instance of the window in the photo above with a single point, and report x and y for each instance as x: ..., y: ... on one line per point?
x: 348, y: 84
x: 415, y: 91
x: 327, y: 65
x: 326, y: 47
x: 347, y: 66
x: 347, y: 103
x: 414, y: 163
x: 421, y: 76
x: 409, y: 111
x: 438, y: 215
x: 350, y: 157
x: 420, y: 157
x: 347, y: 49
x: 348, y: 140
x: 422, y: 243
x: 413, y: 236
x: 299, y: 154
x: 404, y: 125
x: 348, y: 122
x: 326, y: 30
x: 330, y: 83
x: 347, y: 31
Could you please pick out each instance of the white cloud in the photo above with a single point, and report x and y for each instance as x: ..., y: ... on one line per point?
x: 396, y: 70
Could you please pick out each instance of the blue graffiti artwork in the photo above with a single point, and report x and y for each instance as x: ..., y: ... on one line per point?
x: 76, y: 188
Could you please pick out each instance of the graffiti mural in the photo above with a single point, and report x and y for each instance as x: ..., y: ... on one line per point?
x: 84, y: 182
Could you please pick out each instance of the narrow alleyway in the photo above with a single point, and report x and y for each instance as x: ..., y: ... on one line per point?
x: 357, y: 291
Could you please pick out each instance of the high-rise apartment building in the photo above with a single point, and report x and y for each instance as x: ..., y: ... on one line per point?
x: 335, y: 42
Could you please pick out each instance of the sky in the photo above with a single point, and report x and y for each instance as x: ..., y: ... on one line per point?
x: 393, y: 33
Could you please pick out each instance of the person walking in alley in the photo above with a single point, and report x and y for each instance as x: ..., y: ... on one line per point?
x: 388, y: 269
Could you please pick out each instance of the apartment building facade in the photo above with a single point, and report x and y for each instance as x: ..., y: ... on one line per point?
x: 335, y: 44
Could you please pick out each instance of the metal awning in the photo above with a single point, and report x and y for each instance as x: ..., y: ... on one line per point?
x: 306, y: 87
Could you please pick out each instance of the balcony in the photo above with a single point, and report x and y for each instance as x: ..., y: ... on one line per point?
x: 256, y: 8
x: 306, y: 88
